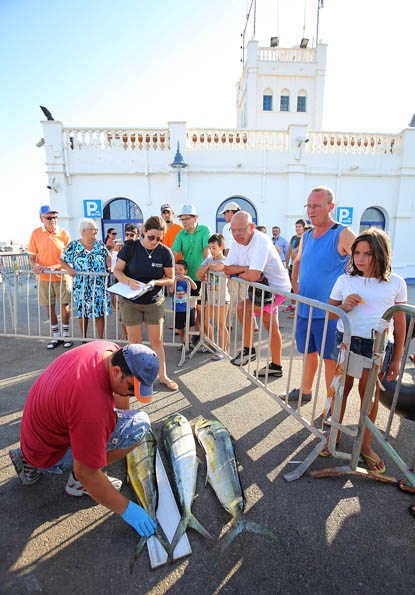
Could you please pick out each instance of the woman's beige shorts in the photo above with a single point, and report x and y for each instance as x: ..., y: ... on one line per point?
x: 132, y: 313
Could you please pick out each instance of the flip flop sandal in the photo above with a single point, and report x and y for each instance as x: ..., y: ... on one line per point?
x: 405, y: 486
x: 216, y: 357
x: 372, y: 462
x: 53, y: 344
x: 67, y: 344
x: 411, y: 511
x: 412, y: 358
x: 171, y: 385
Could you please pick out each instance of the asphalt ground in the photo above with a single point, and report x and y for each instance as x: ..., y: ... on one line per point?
x: 335, y: 535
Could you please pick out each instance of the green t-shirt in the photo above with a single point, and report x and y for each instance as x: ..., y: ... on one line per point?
x: 192, y: 245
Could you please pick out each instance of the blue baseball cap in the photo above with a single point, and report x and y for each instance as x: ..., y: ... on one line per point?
x: 144, y: 364
x: 45, y: 209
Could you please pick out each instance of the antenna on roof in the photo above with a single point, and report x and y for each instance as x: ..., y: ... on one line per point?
x: 320, y: 4
x: 244, y: 32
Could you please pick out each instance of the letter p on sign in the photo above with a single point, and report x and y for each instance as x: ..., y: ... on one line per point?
x: 92, y: 208
x: 345, y: 215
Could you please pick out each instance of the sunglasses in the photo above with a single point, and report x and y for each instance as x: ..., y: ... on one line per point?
x: 129, y: 234
x: 153, y: 238
x: 113, y: 233
x: 50, y: 218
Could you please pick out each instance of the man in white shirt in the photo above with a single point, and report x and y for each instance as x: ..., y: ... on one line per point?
x: 228, y: 212
x: 253, y: 257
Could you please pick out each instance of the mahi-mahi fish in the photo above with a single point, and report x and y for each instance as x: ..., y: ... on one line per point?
x: 141, y: 467
x: 223, y: 476
x: 181, y: 448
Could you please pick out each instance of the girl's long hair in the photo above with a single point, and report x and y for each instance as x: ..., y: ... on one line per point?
x: 380, y: 246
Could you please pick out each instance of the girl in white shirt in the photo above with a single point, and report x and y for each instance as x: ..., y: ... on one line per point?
x: 365, y: 292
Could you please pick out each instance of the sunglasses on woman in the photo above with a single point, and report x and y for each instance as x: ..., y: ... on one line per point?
x: 153, y: 238
x: 129, y: 234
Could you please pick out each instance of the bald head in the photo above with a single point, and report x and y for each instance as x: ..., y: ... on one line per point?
x: 242, y: 227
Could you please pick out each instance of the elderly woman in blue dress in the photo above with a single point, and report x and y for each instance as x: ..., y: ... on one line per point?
x: 88, y: 255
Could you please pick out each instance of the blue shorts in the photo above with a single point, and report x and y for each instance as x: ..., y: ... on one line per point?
x: 316, y: 336
x: 363, y: 347
x: 132, y: 426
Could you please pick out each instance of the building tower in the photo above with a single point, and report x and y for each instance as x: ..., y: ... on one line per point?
x: 280, y: 87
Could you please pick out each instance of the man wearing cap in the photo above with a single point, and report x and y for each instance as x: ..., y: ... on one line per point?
x: 76, y: 416
x: 228, y: 212
x: 172, y: 228
x: 193, y: 242
x: 46, y: 246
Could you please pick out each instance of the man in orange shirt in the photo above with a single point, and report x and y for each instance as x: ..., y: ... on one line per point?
x: 46, y: 246
x: 172, y: 228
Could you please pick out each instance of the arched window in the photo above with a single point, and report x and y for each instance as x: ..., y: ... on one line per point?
x: 285, y: 101
x: 372, y: 217
x: 245, y: 205
x: 267, y: 100
x: 119, y: 211
x: 302, y: 101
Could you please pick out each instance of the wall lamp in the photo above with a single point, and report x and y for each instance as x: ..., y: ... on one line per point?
x: 178, y: 164
x: 300, y: 142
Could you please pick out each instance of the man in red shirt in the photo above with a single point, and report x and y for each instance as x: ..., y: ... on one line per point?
x: 70, y: 419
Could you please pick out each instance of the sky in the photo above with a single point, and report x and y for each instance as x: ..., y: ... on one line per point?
x: 141, y: 64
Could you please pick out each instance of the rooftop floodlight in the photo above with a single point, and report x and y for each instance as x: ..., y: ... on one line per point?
x: 274, y: 43
x: 178, y: 163
x: 304, y: 42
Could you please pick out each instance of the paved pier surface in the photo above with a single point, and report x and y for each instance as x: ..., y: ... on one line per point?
x: 338, y: 535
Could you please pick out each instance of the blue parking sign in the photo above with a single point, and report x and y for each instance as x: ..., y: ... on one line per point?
x: 92, y: 208
x: 345, y: 215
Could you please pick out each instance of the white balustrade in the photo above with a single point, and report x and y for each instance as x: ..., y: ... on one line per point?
x: 352, y: 142
x: 287, y: 55
x: 116, y: 139
x: 236, y: 140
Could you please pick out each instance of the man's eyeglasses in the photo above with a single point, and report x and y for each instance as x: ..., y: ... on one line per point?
x: 316, y: 205
x: 153, y: 238
x: 51, y: 218
x: 235, y: 231
x: 129, y: 234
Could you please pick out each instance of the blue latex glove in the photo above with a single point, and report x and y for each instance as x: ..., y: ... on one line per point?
x: 137, y: 517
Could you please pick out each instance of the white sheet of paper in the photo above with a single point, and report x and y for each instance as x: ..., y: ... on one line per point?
x: 124, y: 290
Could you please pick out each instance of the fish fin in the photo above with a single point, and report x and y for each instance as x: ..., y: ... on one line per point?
x: 238, y: 525
x: 253, y: 527
x: 181, y: 529
x: 194, y: 524
x: 140, y: 544
x: 161, y: 536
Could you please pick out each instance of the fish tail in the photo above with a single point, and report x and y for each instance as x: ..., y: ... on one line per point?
x: 140, y: 544
x: 161, y: 536
x: 194, y: 524
x: 237, y: 526
x: 253, y: 527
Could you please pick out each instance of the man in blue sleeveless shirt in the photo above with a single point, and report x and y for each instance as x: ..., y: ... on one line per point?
x: 322, y: 255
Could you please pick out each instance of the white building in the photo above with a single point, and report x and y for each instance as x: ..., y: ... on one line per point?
x: 268, y: 164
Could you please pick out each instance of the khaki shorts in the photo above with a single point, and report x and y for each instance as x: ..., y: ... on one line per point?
x: 55, y: 291
x: 132, y: 313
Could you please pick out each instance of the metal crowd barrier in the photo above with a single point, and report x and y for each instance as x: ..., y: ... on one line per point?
x: 22, y: 316
x: 238, y: 291
x: 11, y: 265
x: 383, y: 440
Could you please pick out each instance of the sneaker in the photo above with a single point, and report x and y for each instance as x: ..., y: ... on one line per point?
x: 242, y: 358
x: 273, y: 370
x: 27, y: 474
x: 294, y: 395
x: 289, y: 308
x: 75, y: 488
